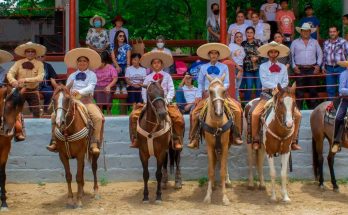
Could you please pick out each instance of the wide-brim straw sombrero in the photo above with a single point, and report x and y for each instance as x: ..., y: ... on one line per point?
x: 40, y: 49
x: 71, y: 57
x: 282, y: 49
x: 5, y: 56
x: 343, y: 63
x: 203, y: 50
x: 94, y: 17
x: 306, y: 27
x: 147, y: 58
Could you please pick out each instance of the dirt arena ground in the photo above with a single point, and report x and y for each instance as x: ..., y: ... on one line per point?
x: 125, y: 198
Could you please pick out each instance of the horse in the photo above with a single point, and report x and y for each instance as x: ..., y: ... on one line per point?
x: 154, y: 134
x: 174, y: 157
x: 277, y: 134
x: 216, y: 132
x: 321, y: 129
x: 72, y: 137
x: 11, y: 104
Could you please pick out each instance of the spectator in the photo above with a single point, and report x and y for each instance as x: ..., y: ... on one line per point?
x: 237, y: 56
x: 307, y: 57
x: 160, y: 43
x: 251, y: 64
x: 249, y: 13
x: 335, y: 50
x: 106, y: 80
x: 312, y: 20
x: 239, y: 26
x: 263, y: 30
x: 45, y: 86
x: 213, y: 23
x: 345, y: 26
x: 4, y: 58
x: 97, y: 37
x: 268, y: 14
x: 285, y: 19
x: 286, y: 60
x: 186, y: 94
x: 118, y: 22
x: 121, y: 59
x: 135, y: 76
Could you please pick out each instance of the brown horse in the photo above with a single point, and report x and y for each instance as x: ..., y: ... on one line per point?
x: 11, y: 104
x: 216, y: 131
x: 321, y: 129
x: 154, y: 135
x: 71, y: 133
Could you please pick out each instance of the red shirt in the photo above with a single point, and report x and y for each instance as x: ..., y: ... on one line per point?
x: 286, y: 19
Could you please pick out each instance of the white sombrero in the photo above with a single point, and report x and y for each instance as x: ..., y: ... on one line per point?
x: 343, y: 63
x: 71, y: 57
x: 306, y: 27
x: 282, y: 49
x: 94, y: 17
x: 203, y: 50
x: 40, y: 49
x: 5, y: 56
x: 147, y: 58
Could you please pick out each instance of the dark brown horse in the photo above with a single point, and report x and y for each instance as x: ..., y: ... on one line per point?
x: 71, y: 133
x: 174, y: 157
x: 11, y: 104
x: 154, y: 134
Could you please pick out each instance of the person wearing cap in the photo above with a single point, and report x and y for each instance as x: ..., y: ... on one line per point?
x: 312, y: 20
x: 272, y: 73
x: 83, y: 83
x: 342, y: 108
x: 158, y: 60
x: 186, y: 94
x: 307, y: 57
x: 28, y: 73
x: 118, y: 22
x: 97, y: 37
x: 213, y: 52
x: 4, y: 58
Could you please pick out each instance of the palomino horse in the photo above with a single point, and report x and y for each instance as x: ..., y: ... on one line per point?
x: 216, y: 131
x: 277, y: 133
x: 11, y: 104
x: 72, y: 133
x: 323, y: 127
x: 154, y: 135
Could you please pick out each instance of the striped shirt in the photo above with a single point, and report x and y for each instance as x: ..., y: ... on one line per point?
x: 334, y: 51
x: 310, y: 54
x: 343, y: 86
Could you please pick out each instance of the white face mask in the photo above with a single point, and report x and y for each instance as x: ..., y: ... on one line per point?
x: 160, y: 45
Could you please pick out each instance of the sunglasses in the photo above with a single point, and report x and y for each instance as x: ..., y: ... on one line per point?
x: 120, y: 35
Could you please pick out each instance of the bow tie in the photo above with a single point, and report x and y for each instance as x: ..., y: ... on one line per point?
x: 81, y: 76
x: 157, y: 76
x: 213, y: 70
x: 274, y: 68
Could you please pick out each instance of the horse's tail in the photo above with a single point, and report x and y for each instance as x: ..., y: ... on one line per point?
x: 315, y: 158
x: 172, y: 156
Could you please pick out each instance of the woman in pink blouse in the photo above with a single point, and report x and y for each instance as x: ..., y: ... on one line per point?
x: 106, y: 80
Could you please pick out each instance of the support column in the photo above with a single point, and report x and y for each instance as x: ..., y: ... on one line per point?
x: 223, y: 23
x: 345, y: 6
x: 72, y: 24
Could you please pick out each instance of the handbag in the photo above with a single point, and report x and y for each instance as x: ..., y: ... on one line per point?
x: 138, y: 47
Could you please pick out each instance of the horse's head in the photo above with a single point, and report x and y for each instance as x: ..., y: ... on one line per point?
x: 285, y: 103
x: 217, y: 94
x: 61, y: 102
x: 11, y: 104
x: 155, y: 98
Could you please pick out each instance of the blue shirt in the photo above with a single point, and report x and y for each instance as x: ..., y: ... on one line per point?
x: 203, y: 82
x: 313, y: 21
x: 122, y: 53
x: 343, y: 87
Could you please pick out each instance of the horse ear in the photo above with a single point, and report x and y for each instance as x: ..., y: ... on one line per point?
x: 54, y: 83
x: 293, y: 88
x: 209, y: 78
x: 279, y: 87
x: 222, y: 78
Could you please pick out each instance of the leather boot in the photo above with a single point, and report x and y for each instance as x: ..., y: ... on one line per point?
x: 336, y: 147
x: 295, y: 146
x: 237, y: 140
x: 19, y: 128
x: 194, y: 143
x: 134, y: 143
x: 94, y: 148
x: 52, y: 147
x: 256, y: 142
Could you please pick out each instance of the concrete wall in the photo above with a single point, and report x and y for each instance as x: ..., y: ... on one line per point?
x: 31, y: 162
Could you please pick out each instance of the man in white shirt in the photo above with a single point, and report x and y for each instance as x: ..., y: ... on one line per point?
x: 157, y: 60
x: 272, y: 73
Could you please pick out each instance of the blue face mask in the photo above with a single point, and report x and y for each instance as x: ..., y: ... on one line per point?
x: 97, y: 23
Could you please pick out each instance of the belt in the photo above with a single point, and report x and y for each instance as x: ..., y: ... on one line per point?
x: 332, y: 66
x: 305, y: 66
x: 31, y: 90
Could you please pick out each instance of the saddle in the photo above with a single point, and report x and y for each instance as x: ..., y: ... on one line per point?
x: 330, y: 112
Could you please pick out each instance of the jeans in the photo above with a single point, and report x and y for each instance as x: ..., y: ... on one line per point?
x: 238, y: 83
x: 121, y: 81
x: 332, y: 80
x: 251, y: 79
x: 306, y: 81
x: 47, y: 92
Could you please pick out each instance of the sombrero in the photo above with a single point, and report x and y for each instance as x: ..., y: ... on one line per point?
x: 71, y: 57
x: 343, y: 63
x: 306, y: 27
x: 5, y: 56
x: 94, y: 17
x: 40, y: 49
x: 203, y: 50
x: 282, y: 49
x: 147, y: 58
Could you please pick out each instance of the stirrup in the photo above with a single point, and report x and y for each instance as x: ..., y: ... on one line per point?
x: 52, y: 147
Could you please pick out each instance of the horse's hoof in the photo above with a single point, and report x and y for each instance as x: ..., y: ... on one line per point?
x: 158, y: 202
x: 78, y: 207
x: 226, y: 201
x: 207, y: 200
x: 97, y: 197
x: 4, y: 209
x: 262, y: 187
x: 336, y: 189
x: 178, y: 185
x: 322, y: 187
x: 146, y: 202
x: 286, y: 200
x: 228, y: 184
x: 69, y: 206
x: 273, y: 199
x: 251, y: 187
x: 164, y: 186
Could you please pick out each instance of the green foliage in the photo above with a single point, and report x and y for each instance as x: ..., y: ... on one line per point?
x: 104, y: 181
x: 202, y: 181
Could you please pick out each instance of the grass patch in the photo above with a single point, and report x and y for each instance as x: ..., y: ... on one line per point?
x: 40, y: 183
x: 202, y: 181
x: 104, y: 181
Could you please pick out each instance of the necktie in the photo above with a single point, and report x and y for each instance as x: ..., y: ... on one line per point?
x: 81, y: 76
x: 213, y: 70
x: 274, y: 68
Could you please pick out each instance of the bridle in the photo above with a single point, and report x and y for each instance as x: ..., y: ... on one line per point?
x: 277, y: 113
x: 67, y: 111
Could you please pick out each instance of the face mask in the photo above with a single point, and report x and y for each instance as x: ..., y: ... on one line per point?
x: 216, y: 12
x: 97, y: 23
x: 160, y: 45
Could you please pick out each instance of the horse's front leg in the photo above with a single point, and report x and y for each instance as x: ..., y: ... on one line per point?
x: 164, y: 181
x: 95, y: 176
x: 4, y: 206
x: 284, y: 176
x: 251, y: 166
x: 145, y: 163
x: 178, y: 178
x: 68, y: 177
x: 331, y: 161
x: 260, y: 164
x: 272, y: 173
x: 160, y: 161
x: 223, y: 171
x: 80, y: 179
x: 228, y: 182
x: 211, y: 171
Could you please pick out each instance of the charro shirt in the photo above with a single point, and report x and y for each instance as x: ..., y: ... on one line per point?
x: 270, y: 80
x: 84, y: 87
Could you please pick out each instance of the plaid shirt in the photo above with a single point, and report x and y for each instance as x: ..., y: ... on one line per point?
x: 334, y: 51
x: 250, y: 51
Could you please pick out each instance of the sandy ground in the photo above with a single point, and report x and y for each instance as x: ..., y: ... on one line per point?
x: 125, y: 198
